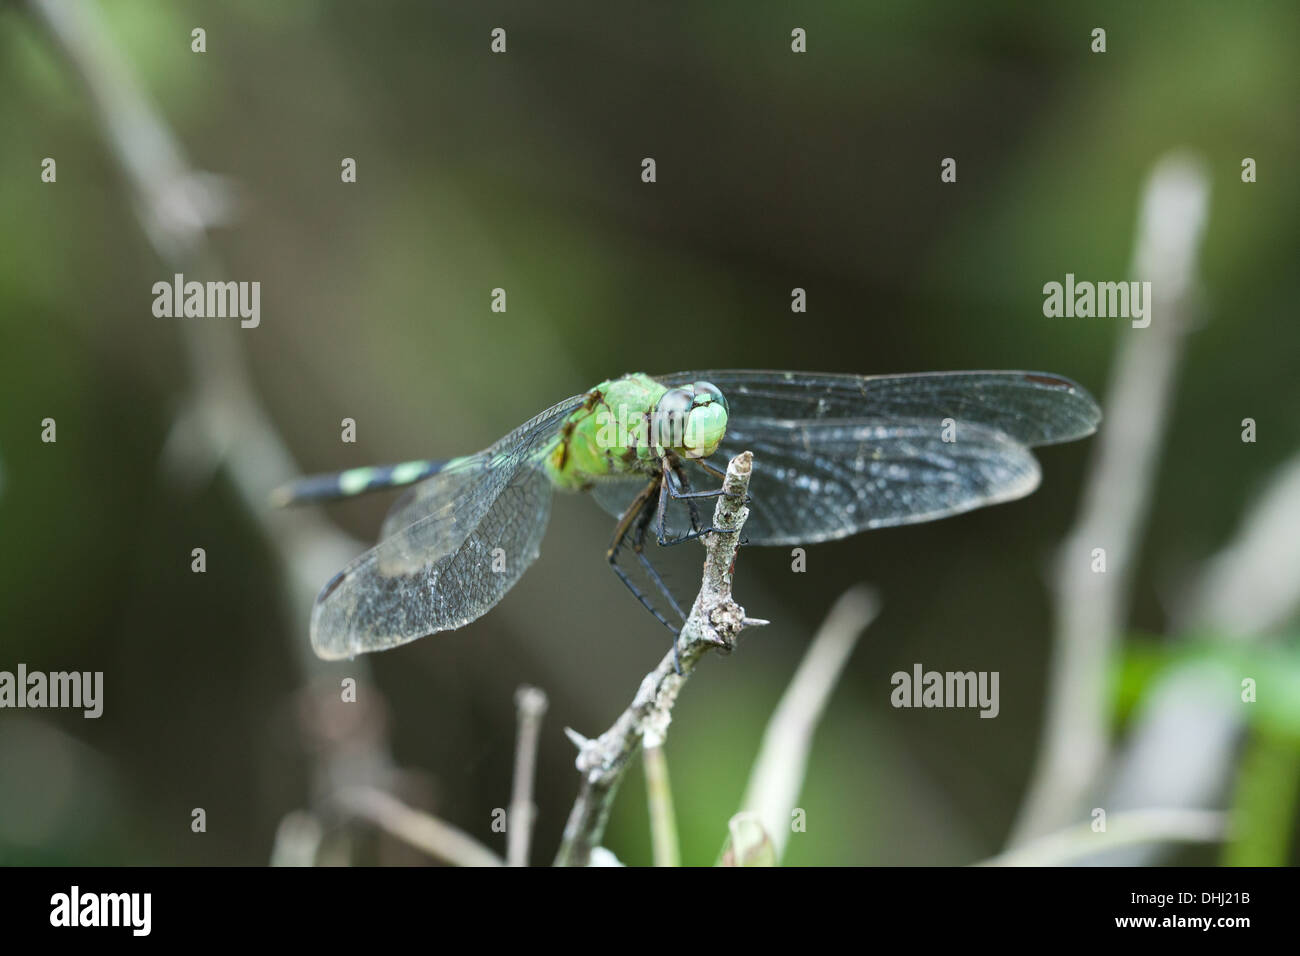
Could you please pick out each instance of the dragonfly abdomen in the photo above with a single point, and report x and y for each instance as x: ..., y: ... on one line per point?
x: 355, y: 481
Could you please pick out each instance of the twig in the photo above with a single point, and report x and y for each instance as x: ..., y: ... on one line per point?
x: 778, y: 773
x: 297, y: 840
x: 1125, y: 829
x: 659, y: 797
x: 440, y: 840
x: 530, y: 705
x: 1091, y: 607
x: 714, y: 622
x: 224, y: 424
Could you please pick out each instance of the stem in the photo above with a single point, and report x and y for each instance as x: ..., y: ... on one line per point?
x: 714, y: 622
x: 1091, y: 607
x: 1127, y: 828
x: 779, y: 770
x: 424, y: 832
x: 659, y: 795
x: 530, y: 705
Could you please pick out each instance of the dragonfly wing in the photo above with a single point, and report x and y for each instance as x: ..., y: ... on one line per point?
x: 449, y: 490
x: 1034, y: 408
x: 452, y: 547
x: 615, y: 494
x: 818, y: 481
x: 433, y: 575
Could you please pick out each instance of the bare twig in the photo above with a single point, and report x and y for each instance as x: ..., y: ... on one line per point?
x: 440, y: 840
x: 1125, y: 829
x: 778, y: 773
x: 530, y: 705
x: 1091, y: 606
x: 714, y: 622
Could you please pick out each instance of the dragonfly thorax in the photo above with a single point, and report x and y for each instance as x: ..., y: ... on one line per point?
x: 626, y: 426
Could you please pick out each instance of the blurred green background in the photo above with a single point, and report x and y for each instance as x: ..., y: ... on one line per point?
x: 522, y: 171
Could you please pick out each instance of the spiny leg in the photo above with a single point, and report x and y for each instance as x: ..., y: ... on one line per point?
x: 666, y: 491
x: 638, y: 548
x: 641, y: 504
x: 717, y: 473
x: 680, y: 472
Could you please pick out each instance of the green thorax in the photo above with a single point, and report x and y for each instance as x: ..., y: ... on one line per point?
x: 609, y: 435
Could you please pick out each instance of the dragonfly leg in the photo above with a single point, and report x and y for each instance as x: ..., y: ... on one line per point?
x: 720, y: 474
x: 687, y: 495
x: 715, y: 472
x: 665, y: 492
x: 685, y: 482
x: 638, y: 548
x: 639, y: 512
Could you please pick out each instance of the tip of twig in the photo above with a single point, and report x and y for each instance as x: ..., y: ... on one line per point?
x: 576, y: 738
x: 754, y: 622
x: 530, y: 701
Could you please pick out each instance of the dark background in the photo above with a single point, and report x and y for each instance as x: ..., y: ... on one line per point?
x: 475, y: 171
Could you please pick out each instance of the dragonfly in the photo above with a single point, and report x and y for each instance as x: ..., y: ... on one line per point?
x: 834, y: 455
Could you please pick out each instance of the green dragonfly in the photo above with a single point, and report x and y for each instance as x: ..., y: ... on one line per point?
x: 833, y: 455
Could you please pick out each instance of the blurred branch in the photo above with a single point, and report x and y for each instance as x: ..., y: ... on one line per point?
x: 1253, y: 584
x: 715, y: 621
x: 422, y: 831
x: 530, y: 705
x: 659, y: 797
x: 747, y: 842
x: 298, y: 840
x: 1129, y: 828
x: 226, y: 424
x: 778, y: 773
x: 1091, y: 607
x: 223, y: 424
x: 1187, y: 734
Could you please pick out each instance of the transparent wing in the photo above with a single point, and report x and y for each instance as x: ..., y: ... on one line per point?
x: 1034, y: 408
x: 839, y: 454
x: 817, y: 481
x: 437, y: 566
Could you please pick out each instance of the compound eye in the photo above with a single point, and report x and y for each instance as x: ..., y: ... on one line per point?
x: 706, y: 392
x: 675, y: 402
x: 670, y: 417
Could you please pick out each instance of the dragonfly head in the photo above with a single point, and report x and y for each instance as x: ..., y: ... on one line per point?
x: 691, y: 420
